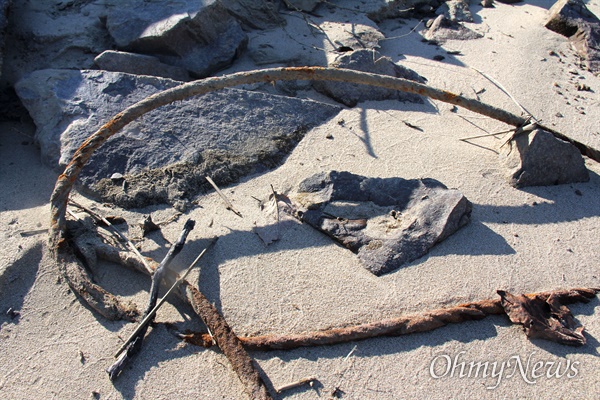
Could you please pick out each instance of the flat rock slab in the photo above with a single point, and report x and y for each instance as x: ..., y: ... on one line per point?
x: 387, y: 222
x: 139, y: 64
x: 165, y: 155
x: 537, y: 158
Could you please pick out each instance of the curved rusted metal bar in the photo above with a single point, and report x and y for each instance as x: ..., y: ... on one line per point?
x: 67, y: 179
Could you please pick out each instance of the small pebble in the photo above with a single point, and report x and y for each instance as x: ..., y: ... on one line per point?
x: 116, y: 177
x: 582, y: 87
x: 12, y: 313
x: 578, y: 192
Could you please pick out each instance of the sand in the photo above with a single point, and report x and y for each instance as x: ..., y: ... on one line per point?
x: 529, y: 240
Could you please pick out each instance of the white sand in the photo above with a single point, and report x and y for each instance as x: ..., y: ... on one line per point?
x: 306, y: 282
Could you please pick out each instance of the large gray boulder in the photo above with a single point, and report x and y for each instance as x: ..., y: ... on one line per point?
x: 571, y: 18
x: 165, y: 155
x: 537, y: 158
x: 138, y: 64
x: 45, y: 34
x: 200, y: 36
x: 387, y: 222
x: 367, y: 61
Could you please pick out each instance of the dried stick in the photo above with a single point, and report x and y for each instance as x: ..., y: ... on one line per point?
x: 296, y: 384
x: 230, y: 206
x: 506, y: 92
x: 148, y: 318
x: 66, y: 180
x: 136, y: 344
x: 424, y: 322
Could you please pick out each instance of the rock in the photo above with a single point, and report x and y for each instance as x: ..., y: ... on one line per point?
x: 302, y: 5
x: 255, y: 14
x: 456, y: 11
x: 390, y: 9
x: 538, y: 158
x: 45, y: 34
x: 362, y: 37
x: 165, y: 155
x: 387, y: 222
x: 117, y: 177
x: 368, y: 61
x: 200, y: 36
x: 131, y: 63
x: 509, y: 1
x: 571, y: 18
x: 487, y: 3
x: 442, y: 29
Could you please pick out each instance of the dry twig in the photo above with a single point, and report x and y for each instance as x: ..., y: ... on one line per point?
x: 228, y: 204
x: 148, y: 318
x: 135, y: 344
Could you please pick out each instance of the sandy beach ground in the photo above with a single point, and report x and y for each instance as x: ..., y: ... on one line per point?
x: 530, y: 240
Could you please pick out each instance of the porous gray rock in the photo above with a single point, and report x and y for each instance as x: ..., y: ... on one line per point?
x: 165, y: 155
x: 442, y: 29
x: 200, y: 36
x: 367, y: 61
x: 138, y: 64
x: 571, y: 18
x: 387, y: 222
x: 537, y: 158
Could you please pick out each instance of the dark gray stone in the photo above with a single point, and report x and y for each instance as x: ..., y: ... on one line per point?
x: 442, y: 29
x: 537, y: 158
x: 255, y: 14
x: 387, y: 222
x: 390, y: 9
x: 571, y: 18
x: 45, y: 34
x: 200, y: 36
x: 165, y: 155
x: 302, y: 5
x: 139, y: 64
x: 368, y: 61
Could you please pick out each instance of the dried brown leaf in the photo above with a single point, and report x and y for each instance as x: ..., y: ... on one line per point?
x: 543, y: 318
x: 279, y: 215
